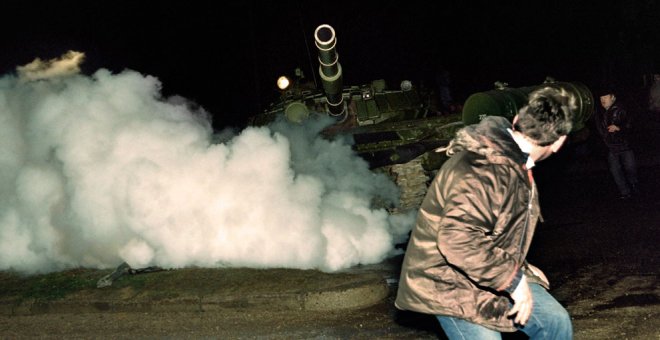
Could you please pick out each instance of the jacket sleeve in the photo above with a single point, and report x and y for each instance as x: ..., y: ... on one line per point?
x: 464, y: 233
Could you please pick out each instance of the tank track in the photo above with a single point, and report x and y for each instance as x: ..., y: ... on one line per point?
x: 412, y: 180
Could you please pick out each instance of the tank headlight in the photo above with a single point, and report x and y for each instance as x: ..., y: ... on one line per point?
x: 283, y: 82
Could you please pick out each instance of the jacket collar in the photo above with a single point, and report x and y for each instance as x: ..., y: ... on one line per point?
x: 525, y: 146
x: 490, y: 139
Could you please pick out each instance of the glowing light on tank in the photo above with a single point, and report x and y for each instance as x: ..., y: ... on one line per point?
x: 283, y: 82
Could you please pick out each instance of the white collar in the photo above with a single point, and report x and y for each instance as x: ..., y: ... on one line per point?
x: 525, y: 146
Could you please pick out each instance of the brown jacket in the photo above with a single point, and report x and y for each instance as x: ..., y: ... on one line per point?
x: 473, y: 230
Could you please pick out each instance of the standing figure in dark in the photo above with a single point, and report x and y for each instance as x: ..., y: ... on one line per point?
x: 466, y: 259
x: 614, y: 126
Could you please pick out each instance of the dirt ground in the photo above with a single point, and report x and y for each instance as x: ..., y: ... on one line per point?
x: 600, y: 253
x: 606, y: 301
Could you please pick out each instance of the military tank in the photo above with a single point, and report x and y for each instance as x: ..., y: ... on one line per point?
x: 395, y: 130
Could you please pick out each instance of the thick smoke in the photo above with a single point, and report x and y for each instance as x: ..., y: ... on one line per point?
x: 101, y: 169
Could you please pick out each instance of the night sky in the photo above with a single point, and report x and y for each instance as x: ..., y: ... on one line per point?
x: 227, y: 55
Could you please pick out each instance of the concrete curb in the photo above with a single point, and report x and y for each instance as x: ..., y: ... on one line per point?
x: 319, y: 292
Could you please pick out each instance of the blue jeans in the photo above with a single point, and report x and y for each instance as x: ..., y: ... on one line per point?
x: 549, y: 320
x: 623, y: 169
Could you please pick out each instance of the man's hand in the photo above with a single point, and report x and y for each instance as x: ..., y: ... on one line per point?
x: 613, y: 128
x: 522, y: 302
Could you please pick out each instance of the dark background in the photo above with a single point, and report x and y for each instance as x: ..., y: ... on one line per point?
x: 227, y: 55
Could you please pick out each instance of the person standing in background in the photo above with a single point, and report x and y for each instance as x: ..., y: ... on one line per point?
x: 614, y: 125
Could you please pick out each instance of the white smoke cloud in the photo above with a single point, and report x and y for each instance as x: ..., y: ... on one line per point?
x: 100, y: 169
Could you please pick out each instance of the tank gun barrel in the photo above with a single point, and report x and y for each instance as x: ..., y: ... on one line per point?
x: 330, y: 69
x: 507, y: 101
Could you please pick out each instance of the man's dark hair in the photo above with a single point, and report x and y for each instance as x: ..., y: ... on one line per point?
x: 547, y: 116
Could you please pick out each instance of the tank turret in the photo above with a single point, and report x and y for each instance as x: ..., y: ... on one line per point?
x: 397, y: 130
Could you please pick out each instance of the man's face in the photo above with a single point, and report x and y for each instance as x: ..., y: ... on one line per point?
x: 539, y: 153
x: 544, y: 153
x: 607, y: 100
